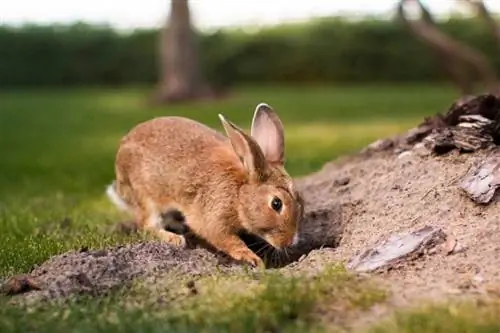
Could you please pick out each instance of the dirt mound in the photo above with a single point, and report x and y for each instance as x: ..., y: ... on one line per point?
x: 407, y: 184
x: 388, y: 195
x: 410, y: 182
x: 97, y: 272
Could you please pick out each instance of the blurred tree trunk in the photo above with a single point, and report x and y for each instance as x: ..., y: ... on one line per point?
x: 483, y: 12
x: 457, y: 59
x: 180, y: 78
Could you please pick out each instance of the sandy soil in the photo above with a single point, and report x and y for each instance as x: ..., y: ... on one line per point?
x: 388, y: 194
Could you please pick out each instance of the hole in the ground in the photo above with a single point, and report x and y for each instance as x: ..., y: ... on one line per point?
x: 496, y: 139
x: 443, y: 149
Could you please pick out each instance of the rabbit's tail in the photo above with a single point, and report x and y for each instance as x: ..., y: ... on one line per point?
x: 116, y: 198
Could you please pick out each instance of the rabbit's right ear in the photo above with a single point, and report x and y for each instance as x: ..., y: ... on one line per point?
x: 246, y: 148
x: 267, y: 130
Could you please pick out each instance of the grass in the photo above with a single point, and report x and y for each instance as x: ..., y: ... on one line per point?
x: 464, y: 317
x: 58, y: 150
x: 270, y: 302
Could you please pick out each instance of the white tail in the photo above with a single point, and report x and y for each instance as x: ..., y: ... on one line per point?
x: 115, y: 198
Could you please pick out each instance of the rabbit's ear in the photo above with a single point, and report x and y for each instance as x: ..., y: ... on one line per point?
x: 246, y: 148
x: 267, y: 130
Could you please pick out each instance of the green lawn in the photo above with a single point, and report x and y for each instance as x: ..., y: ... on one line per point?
x: 58, y: 150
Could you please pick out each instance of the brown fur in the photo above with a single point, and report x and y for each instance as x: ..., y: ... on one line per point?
x: 221, y: 185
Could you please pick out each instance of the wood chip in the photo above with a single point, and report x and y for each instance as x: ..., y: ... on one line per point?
x: 450, y: 245
x: 20, y: 284
x: 481, y: 183
x: 475, y: 119
x: 398, y: 249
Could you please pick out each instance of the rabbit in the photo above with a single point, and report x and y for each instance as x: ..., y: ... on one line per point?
x: 222, y: 185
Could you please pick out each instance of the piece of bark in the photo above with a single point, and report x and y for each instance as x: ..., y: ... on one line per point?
x: 20, y: 284
x: 397, y: 249
x: 481, y: 183
x: 471, y: 139
x: 486, y: 105
x: 450, y: 246
x: 474, y: 121
x: 471, y: 123
x: 467, y: 137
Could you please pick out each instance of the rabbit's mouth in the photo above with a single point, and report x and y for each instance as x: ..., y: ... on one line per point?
x: 281, y: 241
x: 255, y: 242
x: 273, y: 256
x: 279, y: 245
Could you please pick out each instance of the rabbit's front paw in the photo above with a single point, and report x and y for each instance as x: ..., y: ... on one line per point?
x: 250, y: 258
x: 172, y: 238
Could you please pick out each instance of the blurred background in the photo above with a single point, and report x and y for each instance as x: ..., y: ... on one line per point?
x: 75, y: 76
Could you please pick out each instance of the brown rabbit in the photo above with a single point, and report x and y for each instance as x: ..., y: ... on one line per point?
x: 221, y: 185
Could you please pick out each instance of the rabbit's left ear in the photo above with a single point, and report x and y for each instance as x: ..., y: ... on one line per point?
x: 246, y: 148
x: 268, y: 132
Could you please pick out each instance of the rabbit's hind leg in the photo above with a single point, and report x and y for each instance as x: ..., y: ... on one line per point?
x: 150, y: 218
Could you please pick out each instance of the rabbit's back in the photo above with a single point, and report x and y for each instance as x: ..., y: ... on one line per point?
x: 174, y: 158
x: 174, y: 135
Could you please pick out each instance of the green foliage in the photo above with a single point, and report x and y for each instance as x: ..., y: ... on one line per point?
x: 327, y: 50
x: 76, y: 54
x: 265, y: 302
x: 465, y: 317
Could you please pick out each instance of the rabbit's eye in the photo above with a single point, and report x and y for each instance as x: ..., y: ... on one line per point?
x: 276, y: 204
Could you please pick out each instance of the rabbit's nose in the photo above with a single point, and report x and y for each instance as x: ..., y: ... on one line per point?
x: 293, y: 241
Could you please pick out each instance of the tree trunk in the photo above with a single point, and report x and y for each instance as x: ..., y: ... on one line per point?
x: 457, y: 58
x: 180, y: 78
x: 484, y: 13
